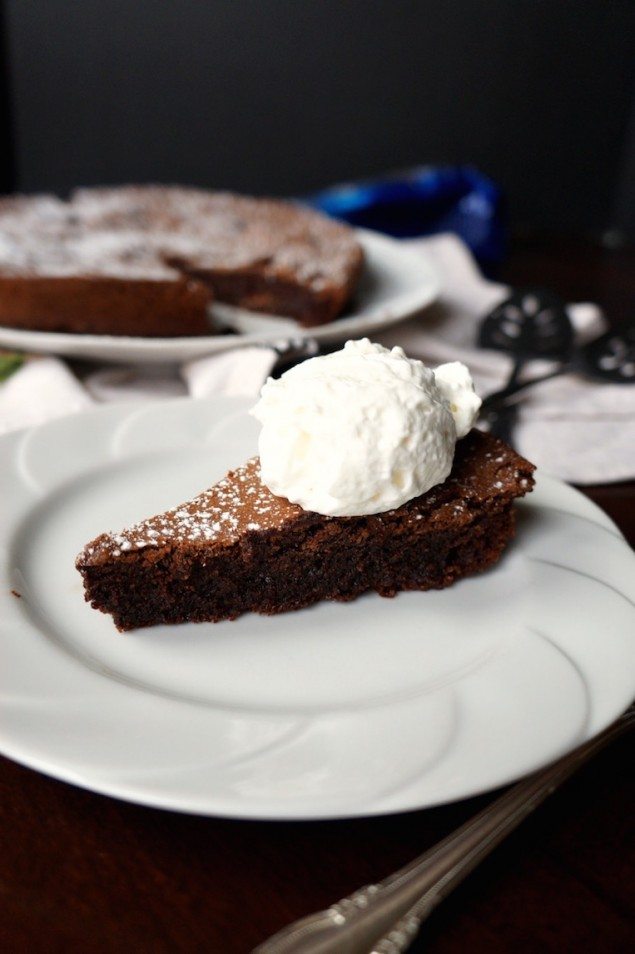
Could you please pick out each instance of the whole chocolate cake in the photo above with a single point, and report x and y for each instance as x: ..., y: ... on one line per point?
x: 148, y: 260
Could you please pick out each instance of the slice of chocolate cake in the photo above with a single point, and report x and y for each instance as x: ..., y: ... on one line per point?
x: 238, y: 548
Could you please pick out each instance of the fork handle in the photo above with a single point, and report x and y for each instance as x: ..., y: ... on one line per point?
x: 385, y: 918
x: 496, y: 398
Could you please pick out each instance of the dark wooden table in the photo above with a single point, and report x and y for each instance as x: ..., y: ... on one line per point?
x: 82, y: 872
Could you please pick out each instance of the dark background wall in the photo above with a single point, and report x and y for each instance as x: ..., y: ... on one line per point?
x: 285, y: 96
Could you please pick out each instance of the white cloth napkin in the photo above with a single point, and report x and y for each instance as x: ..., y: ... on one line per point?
x: 43, y: 388
x: 576, y: 429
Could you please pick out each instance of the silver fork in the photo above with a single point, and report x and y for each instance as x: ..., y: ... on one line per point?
x: 385, y: 918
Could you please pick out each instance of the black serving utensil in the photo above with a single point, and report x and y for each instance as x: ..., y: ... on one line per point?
x: 532, y: 323
x: 609, y: 358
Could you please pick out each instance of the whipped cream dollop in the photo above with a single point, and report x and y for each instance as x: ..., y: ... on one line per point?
x: 362, y: 430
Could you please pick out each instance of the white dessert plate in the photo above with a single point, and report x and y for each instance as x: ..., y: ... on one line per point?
x: 396, y: 283
x: 363, y: 708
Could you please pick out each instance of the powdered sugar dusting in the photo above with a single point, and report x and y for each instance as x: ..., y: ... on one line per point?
x: 238, y: 503
x: 159, y: 232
